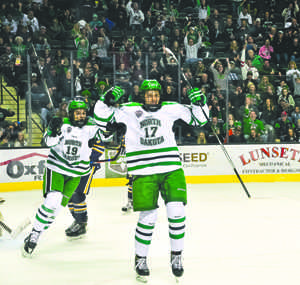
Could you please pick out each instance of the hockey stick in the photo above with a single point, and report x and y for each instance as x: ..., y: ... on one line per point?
x: 214, y: 132
x: 18, y: 230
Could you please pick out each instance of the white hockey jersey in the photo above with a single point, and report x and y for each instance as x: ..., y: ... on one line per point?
x: 150, y: 142
x: 69, y: 152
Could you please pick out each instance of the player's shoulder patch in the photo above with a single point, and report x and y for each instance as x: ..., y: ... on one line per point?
x: 90, y: 121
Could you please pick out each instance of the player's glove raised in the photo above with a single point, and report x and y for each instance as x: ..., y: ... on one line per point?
x: 197, y: 97
x: 54, y: 127
x: 113, y: 95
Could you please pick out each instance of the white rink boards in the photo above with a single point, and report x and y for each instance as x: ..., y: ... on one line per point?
x: 230, y: 239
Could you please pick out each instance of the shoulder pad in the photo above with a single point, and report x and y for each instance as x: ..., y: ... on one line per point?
x: 66, y: 121
x: 169, y: 103
x: 131, y: 104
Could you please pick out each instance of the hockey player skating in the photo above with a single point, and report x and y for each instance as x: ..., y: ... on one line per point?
x: 68, y: 160
x: 77, y: 204
x: 154, y: 162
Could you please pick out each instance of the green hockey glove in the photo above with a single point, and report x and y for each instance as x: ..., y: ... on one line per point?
x: 113, y: 95
x: 197, y: 97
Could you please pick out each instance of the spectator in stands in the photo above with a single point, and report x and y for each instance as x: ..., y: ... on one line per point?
x: 268, y: 21
x: 237, y: 99
x: 280, y: 49
x: 291, y: 136
x: 291, y: 74
x: 254, y: 137
x: 13, y: 25
x: 295, y: 116
x: 230, y: 30
x: 269, y: 93
x: 290, y: 12
x: 155, y: 71
x: 254, y: 96
x: 31, y: 21
x: 220, y: 74
x: 243, y: 31
x: 215, y: 109
x: 203, y: 11
x: 296, y: 92
x: 123, y: 77
x: 244, y: 15
x: 192, y: 48
x: 266, y: 51
x: 282, y: 125
x: 286, y: 101
x: 4, y: 113
x: 136, y: 17
x: 269, y: 112
x: 217, y: 127
x: 263, y: 84
x: 102, y: 47
x: 41, y: 40
x: 216, y: 16
x: 201, y: 138
x: 251, y: 122
x: 138, y: 74
x: 294, y: 51
x: 257, y: 31
x: 237, y: 136
x: 20, y: 141
x: 215, y: 33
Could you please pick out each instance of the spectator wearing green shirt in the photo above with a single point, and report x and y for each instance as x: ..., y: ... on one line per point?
x: 251, y: 122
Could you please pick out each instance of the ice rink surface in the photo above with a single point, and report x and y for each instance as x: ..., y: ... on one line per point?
x: 230, y: 239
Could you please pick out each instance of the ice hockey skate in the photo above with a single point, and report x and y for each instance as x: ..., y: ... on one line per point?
x: 141, y: 268
x: 30, y: 243
x: 128, y: 206
x: 76, y: 230
x: 176, y: 264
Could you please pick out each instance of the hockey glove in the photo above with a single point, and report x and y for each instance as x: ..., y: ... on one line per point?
x: 197, y: 97
x: 54, y: 127
x: 113, y: 95
x: 94, y: 157
x: 91, y: 142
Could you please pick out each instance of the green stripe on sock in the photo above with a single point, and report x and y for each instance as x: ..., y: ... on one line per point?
x: 176, y: 236
x: 145, y: 226
x: 47, y: 210
x: 142, y: 241
x: 41, y: 220
x: 176, y: 220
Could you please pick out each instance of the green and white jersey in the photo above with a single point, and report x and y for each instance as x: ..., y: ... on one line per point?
x: 150, y: 142
x: 69, y: 152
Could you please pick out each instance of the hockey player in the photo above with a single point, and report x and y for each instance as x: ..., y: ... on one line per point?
x: 68, y: 160
x: 77, y: 204
x: 154, y: 162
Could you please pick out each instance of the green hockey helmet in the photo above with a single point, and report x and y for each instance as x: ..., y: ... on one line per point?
x: 77, y: 103
x: 151, y: 84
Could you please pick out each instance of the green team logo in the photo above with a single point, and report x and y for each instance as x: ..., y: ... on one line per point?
x: 117, y: 168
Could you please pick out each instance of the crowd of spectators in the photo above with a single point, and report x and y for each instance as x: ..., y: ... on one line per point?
x: 243, y: 54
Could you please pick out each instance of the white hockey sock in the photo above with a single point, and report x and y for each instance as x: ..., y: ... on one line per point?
x: 47, y: 212
x: 144, y: 231
x: 176, y: 218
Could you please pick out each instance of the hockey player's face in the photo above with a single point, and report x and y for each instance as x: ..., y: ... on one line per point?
x: 79, y: 115
x: 152, y: 97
